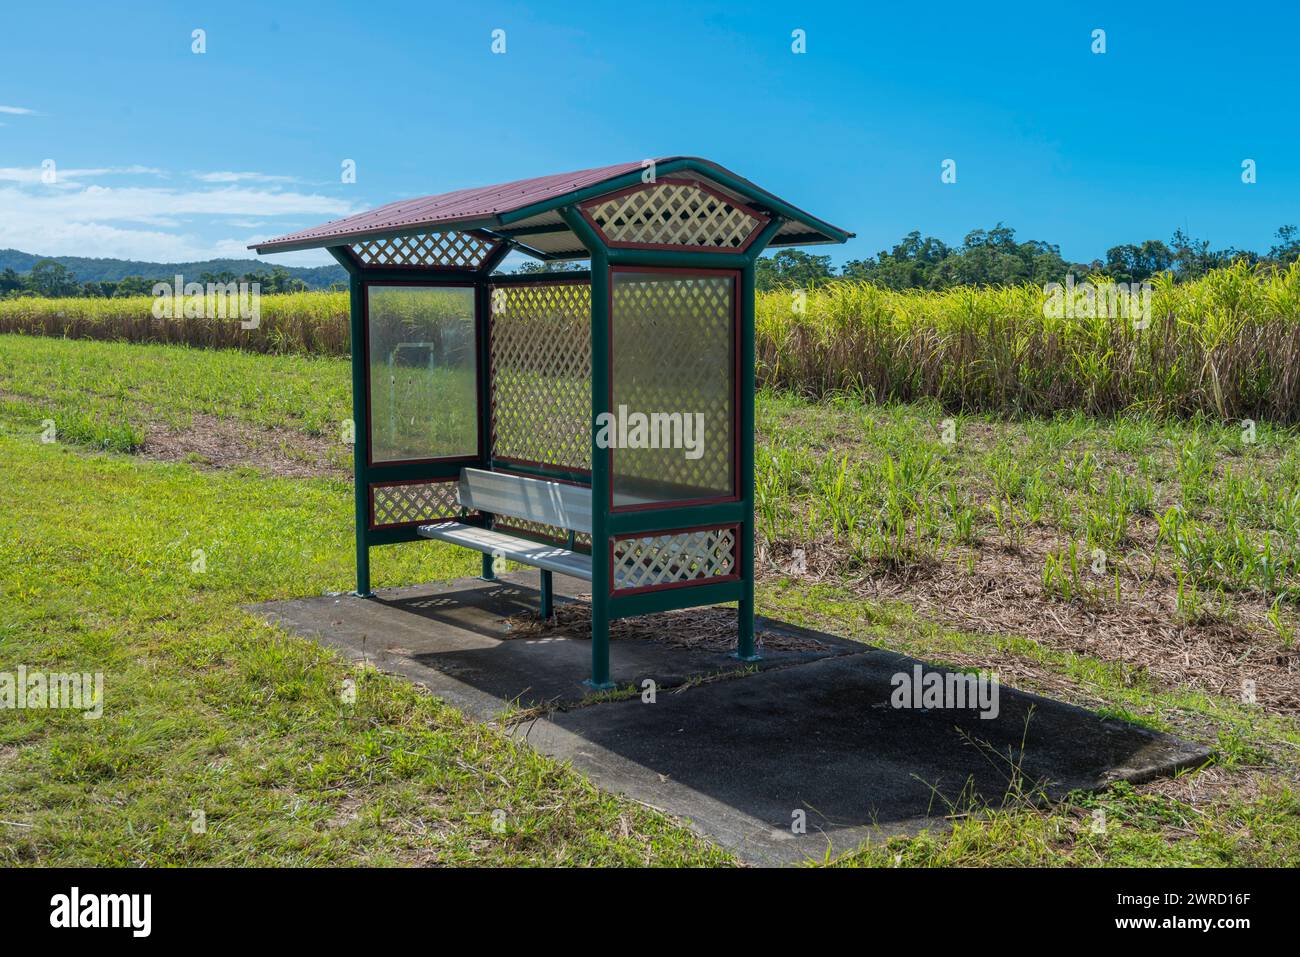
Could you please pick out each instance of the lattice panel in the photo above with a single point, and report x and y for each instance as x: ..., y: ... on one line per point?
x: 429, y: 251
x: 550, y: 533
x: 693, y: 556
x: 541, y: 374
x: 407, y: 504
x: 673, y: 214
x: 673, y: 353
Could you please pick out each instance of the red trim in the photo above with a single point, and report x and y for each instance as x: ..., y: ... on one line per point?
x: 370, y: 499
x: 734, y: 496
x: 521, y: 279
x: 366, y: 284
x: 762, y: 218
x: 665, y: 586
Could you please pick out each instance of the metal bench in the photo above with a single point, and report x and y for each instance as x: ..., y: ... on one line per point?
x: 557, y: 504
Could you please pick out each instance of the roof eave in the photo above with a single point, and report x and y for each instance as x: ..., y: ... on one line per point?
x: 501, y: 221
x: 324, y: 242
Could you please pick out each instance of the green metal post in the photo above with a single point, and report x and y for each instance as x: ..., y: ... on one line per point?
x: 745, y: 649
x: 745, y: 608
x: 600, y: 477
x: 361, y: 439
x: 482, y: 317
x: 547, y: 605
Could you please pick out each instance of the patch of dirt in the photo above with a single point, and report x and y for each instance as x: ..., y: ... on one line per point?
x: 1212, y: 786
x: 1001, y: 592
x: 709, y: 629
x: 345, y: 812
x: 216, y: 443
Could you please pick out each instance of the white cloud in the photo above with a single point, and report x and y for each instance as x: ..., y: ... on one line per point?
x: 17, y: 110
x: 32, y: 174
x: 152, y: 223
x: 229, y: 177
x: 147, y: 204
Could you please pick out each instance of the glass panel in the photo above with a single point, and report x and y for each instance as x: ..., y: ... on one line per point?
x: 423, y: 372
x: 674, y: 369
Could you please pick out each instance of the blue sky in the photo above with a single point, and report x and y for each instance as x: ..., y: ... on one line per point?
x: 164, y: 154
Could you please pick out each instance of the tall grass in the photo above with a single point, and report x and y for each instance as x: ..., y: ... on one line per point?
x: 1227, y: 345
x: 305, y: 322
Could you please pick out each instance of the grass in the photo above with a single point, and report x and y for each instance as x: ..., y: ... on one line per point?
x: 1132, y: 495
x: 301, y: 323
x: 207, y: 709
x: 905, y: 521
x: 1242, y: 811
x: 1226, y: 345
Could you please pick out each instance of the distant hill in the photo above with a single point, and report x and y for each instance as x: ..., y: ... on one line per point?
x: 111, y: 270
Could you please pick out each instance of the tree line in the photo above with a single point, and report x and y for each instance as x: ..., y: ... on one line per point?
x: 985, y: 257
x: 989, y: 257
x: 53, y: 279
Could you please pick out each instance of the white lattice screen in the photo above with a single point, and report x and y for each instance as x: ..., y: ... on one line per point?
x: 412, y: 502
x: 541, y: 374
x: 673, y: 349
x: 429, y: 251
x: 690, y: 556
x: 673, y: 214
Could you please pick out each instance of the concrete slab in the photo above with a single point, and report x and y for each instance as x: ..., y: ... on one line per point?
x: 454, y: 638
x: 812, y: 732
x: 739, y: 758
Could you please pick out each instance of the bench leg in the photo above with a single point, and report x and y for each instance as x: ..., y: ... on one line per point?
x: 489, y: 573
x: 547, y: 604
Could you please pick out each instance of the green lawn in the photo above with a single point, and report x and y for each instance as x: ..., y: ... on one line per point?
x: 208, y: 709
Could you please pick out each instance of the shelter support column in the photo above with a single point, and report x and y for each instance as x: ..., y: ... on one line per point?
x: 600, y: 473
x: 360, y: 436
x: 601, y: 584
x: 745, y: 650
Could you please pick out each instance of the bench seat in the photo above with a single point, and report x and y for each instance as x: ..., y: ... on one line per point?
x: 551, y: 558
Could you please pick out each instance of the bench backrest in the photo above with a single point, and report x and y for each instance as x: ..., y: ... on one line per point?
x: 533, y: 499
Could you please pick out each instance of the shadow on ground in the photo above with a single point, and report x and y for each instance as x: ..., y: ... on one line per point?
x: 744, y: 753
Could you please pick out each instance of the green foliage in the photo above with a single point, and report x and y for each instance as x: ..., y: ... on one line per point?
x: 792, y: 268
x: 128, y: 277
x: 207, y: 707
x: 993, y: 257
x: 1227, y: 344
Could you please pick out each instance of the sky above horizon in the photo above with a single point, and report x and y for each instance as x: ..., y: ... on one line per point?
x: 164, y: 154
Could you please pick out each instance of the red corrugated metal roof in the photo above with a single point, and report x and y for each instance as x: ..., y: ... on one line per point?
x: 469, y: 208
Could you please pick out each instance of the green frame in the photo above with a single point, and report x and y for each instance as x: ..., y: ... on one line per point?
x: 606, y: 523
